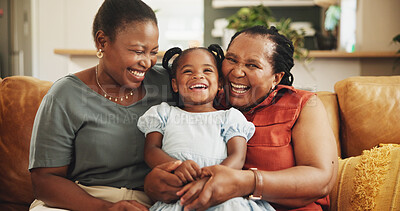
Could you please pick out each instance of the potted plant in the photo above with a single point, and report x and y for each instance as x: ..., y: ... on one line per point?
x: 259, y: 15
x: 327, y: 40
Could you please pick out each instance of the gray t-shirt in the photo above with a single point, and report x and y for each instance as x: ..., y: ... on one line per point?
x: 96, y: 137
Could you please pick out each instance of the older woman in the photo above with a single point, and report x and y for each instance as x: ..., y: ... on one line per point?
x: 291, y: 160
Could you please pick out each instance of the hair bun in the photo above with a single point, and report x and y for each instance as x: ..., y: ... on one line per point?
x: 168, y: 55
x: 273, y: 29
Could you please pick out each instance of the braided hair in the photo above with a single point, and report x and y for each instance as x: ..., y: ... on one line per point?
x: 114, y: 15
x: 282, y: 57
x: 214, y: 49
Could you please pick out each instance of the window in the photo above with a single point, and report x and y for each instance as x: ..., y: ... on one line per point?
x: 181, y: 22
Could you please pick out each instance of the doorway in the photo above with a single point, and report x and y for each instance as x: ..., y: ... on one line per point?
x: 15, y: 42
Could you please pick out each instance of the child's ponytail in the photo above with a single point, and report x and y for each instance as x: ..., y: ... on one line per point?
x: 168, y: 56
x: 218, y: 54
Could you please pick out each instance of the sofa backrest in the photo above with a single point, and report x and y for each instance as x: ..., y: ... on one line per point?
x: 20, y: 97
x: 369, y: 112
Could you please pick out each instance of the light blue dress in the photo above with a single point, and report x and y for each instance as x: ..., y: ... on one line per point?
x: 200, y: 137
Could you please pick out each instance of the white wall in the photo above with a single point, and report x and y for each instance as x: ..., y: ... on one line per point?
x: 67, y: 24
x: 377, y: 23
x: 60, y: 24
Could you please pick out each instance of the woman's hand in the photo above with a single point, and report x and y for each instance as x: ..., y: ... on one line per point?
x: 191, y: 191
x: 224, y: 183
x: 188, y: 171
x: 161, y: 184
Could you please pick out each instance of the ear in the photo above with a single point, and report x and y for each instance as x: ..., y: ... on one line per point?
x: 220, y: 83
x: 174, y: 85
x: 100, y: 39
x: 277, y: 78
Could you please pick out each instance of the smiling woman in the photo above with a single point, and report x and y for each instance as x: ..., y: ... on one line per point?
x: 86, y: 150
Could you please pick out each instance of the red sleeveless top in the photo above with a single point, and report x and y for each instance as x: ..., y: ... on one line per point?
x: 271, y: 147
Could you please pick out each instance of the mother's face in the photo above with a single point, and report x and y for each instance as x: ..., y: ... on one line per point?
x: 248, y: 73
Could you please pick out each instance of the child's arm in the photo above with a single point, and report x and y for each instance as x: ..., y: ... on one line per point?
x: 237, y: 147
x: 153, y: 154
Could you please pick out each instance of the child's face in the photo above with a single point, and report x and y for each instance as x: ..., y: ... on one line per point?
x: 196, y: 78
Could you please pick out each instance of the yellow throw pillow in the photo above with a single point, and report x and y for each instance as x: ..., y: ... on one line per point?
x: 370, y: 181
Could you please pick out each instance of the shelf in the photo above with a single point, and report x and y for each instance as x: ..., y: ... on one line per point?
x: 268, y: 3
x: 85, y: 52
x: 362, y: 54
x: 75, y: 52
x: 313, y: 54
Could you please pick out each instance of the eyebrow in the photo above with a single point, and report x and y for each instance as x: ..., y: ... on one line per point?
x: 247, y: 60
x: 230, y: 54
x: 143, y: 46
x: 189, y: 65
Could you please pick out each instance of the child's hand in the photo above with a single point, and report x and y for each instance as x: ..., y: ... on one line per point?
x: 188, y: 171
x: 191, y: 191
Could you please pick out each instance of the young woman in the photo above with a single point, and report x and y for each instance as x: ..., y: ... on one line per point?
x: 84, y: 153
x: 293, y: 147
x: 195, y: 132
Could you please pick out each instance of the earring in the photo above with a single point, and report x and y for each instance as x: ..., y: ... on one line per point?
x: 99, y: 54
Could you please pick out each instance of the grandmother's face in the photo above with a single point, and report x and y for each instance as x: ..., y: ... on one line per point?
x: 247, y: 71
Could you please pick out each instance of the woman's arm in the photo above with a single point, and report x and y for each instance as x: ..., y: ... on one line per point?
x: 153, y: 154
x: 315, y: 152
x: 51, y: 186
x: 237, y: 148
x: 312, y: 178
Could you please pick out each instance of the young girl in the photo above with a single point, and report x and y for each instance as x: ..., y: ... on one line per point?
x: 194, y: 131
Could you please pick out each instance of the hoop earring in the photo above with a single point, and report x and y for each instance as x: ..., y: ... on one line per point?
x: 99, y: 54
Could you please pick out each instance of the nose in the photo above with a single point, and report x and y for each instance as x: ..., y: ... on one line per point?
x: 237, y: 71
x: 198, y: 76
x: 145, y: 62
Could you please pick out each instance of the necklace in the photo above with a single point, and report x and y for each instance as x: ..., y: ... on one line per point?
x: 106, y: 95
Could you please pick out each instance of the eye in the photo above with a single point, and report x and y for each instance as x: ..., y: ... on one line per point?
x: 252, y: 66
x: 208, y: 70
x: 186, y: 71
x: 230, y: 59
x: 137, y: 52
x: 154, y: 52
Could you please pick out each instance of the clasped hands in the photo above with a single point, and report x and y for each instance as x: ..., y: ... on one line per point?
x: 208, y: 186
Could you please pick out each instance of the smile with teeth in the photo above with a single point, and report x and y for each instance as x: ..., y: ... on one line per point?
x: 198, y: 86
x: 239, y: 88
x: 137, y: 73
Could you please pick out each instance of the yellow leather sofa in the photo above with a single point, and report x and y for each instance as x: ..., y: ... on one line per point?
x: 364, y: 112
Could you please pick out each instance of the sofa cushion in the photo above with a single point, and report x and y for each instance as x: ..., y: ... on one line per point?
x: 329, y: 99
x: 369, y: 111
x: 369, y: 181
x: 20, y: 97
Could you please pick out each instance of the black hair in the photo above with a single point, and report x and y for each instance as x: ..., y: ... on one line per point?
x: 282, y: 57
x: 214, y: 49
x: 113, y: 15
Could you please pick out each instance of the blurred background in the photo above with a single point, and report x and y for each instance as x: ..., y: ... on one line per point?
x: 48, y: 39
